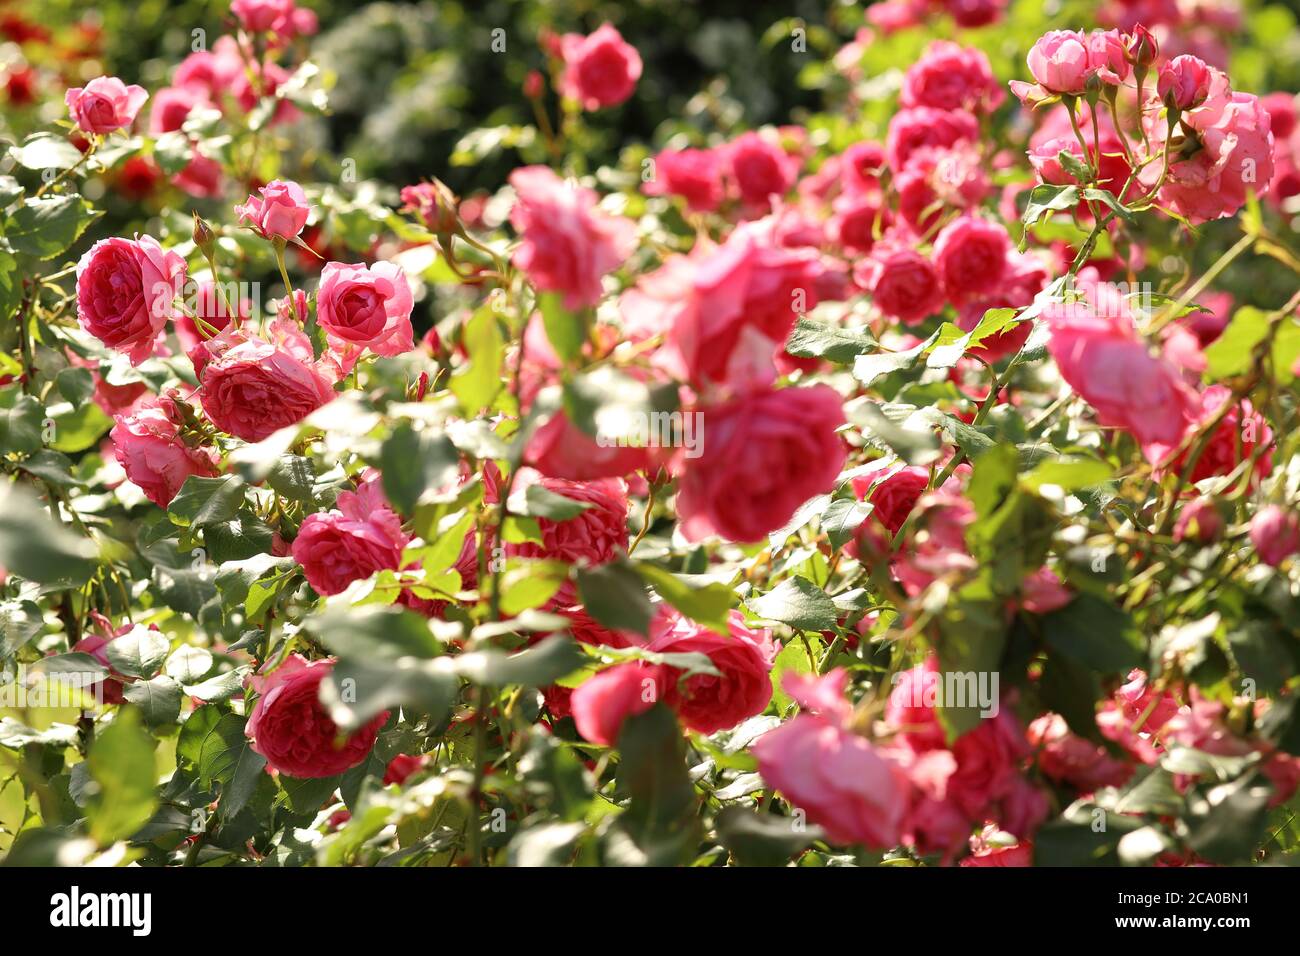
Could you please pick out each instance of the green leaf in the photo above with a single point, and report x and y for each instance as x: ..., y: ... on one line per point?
x: 565, y: 329
x: 763, y: 839
x: 122, y: 766
x: 476, y: 385
x: 1231, y: 353
x: 211, y: 742
x: 708, y: 603
x: 140, y: 652
x: 828, y: 341
x: 530, y: 582
x: 1070, y: 474
x: 798, y: 603
x: 539, y: 666
x: 415, y: 462
x: 868, y: 368
x: 614, y: 594
x: 376, y: 632
x: 42, y: 151
x: 204, y: 501
x: 33, y: 546
x: 660, y: 825
x: 293, y: 477
x: 20, y: 426
x: 77, y: 428
x: 359, y: 689
x: 603, y: 401
x: 542, y: 502
x: 1225, y: 822
x: 159, y: 699
x: 20, y: 621
x: 1094, y: 633
x: 903, y: 429
x: 1045, y: 199
x: 45, y: 228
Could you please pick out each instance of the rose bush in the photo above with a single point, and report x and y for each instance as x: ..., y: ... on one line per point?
x: 912, y: 478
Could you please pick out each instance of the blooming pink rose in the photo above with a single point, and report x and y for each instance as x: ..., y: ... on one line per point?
x: 601, y: 704
x: 172, y: 106
x: 975, y: 13
x: 842, y: 782
x: 251, y: 387
x: 599, y: 70
x: 1235, y: 158
x: 1098, y: 351
x: 360, y: 536
x: 936, y: 545
x: 911, y: 129
x: 859, y: 219
x: 760, y: 167
x: 894, y: 496
x: 723, y: 310
x: 105, y: 104
x: 1275, y: 534
x: 150, y: 448
x: 568, y: 244
x: 259, y: 82
x: 1059, y: 61
x: 970, y: 255
x: 763, y: 455
x: 1069, y: 758
x: 559, y: 449
x: 1235, y: 439
x: 1147, y: 708
x: 693, y: 174
x: 126, y: 292
x: 291, y: 728
x: 258, y: 16
x: 279, y: 211
x: 744, y: 657
x: 200, y: 178
x: 939, y: 179
x: 212, y: 70
x: 1189, y: 81
x: 910, y: 709
x: 949, y: 76
x: 903, y: 283
x: 366, y: 307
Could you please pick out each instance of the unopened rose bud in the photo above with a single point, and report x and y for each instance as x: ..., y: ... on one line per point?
x: 1142, y: 47
x: 204, y: 237
x: 533, y: 85
x: 1275, y: 533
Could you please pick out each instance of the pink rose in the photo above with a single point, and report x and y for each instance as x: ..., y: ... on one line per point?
x: 258, y: 16
x: 279, y: 211
x: 172, y: 106
x: 1188, y: 81
x: 910, y: 707
x: 126, y: 292
x: 903, y: 283
x: 599, y: 70
x: 601, y: 704
x: 1235, y: 439
x: 291, y: 728
x: 211, y: 309
x: 763, y: 455
x: 366, y: 307
x: 360, y: 536
x: 975, y: 13
x: 911, y: 129
x: 970, y: 255
x: 859, y: 219
x: 200, y: 178
x: 212, y: 70
x: 860, y: 166
x: 150, y: 448
x: 723, y: 310
x: 104, y: 104
x: 1071, y: 759
x: 707, y: 704
x: 894, y: 496
x: 559, y: 449
x: 1199, y: 520
x: 842, y: 782
x: 1059, y: 61
x: 1275, y: 534
x: 939, y: 179
x: 1098, y: 351
x: 760, y: 168
x: 936, y: 546
x: 251, y: 387
x: 949, y: 76
x: 693, y: 174
x: 568, y: 244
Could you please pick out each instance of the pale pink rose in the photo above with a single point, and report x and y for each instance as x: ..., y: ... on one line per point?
x: 760, y: 168
x: 291, y: 728
x: 1100, y: 355
x: 126, y: 292
x: 104, y: 104
x: 360, y: 536
x: 251, y: 387
x: 1059, y: 61
x: 910, y: 708
x: 599, y: 70
x: 280, y: 210
x: 568, y: 244
x: 365, y: 307
x: 1189, y: 81
x: 693, y: 174
x: 1275, y: 534
x: 150, y: 448
x: 602, y: 703
x: 763, y: 455
x: 707, y: 704
x: 1108, y: 56
x: 1069, y: 758
x: 949, y: 76
x: 1235, y: 439
x: 839, y: 779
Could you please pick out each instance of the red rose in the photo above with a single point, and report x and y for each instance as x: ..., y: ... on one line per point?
x: 291, y: 728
